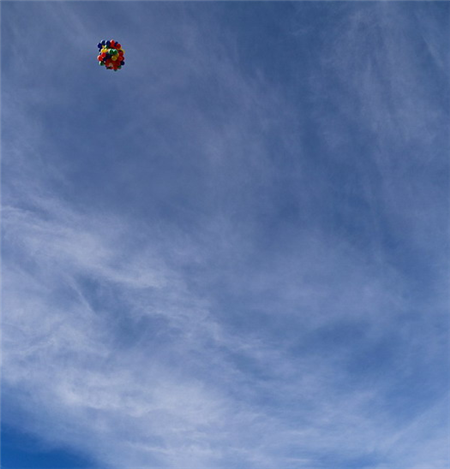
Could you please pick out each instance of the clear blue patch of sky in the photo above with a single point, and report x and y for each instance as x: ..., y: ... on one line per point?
x: 21, y: 450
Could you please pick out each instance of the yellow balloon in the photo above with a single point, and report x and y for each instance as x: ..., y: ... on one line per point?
x: 114, y: 57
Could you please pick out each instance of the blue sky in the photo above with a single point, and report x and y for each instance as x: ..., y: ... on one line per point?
x: 232, y: 253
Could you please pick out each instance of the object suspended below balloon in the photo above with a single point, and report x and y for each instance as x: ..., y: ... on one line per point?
x: 111, y: 55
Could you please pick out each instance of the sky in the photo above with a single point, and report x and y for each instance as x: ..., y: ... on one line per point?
x: 233, y: 252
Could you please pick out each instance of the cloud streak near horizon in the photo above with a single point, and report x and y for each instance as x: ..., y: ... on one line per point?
x: 231, y: 253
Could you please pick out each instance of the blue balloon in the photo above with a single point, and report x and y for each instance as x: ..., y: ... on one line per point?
x: 99, y: 45
x: 103, y: 43
x: 122, y: 63
x: 108, y: 43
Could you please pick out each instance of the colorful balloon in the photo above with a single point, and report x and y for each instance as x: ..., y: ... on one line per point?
x: 111, y: 55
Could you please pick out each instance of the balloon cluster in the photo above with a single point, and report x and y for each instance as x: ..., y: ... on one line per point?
x: 111, y: 55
